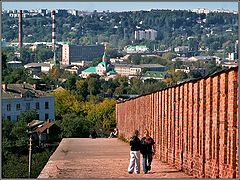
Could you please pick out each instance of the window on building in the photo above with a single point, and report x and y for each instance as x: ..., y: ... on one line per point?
x: 37, y: 105
x: 46, y: 105
x: 18, y: 106
x: 9, y: 118
x: 8, y: 107
x: 37, y: 116
x: 46, y: 116
x: 17, y: 117
x: 27, y: 106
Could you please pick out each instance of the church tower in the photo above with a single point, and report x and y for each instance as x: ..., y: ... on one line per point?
x: 104, y: 58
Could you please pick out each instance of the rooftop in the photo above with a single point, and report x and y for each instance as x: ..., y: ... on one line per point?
x: 139, y: 66
x: 17, y: 90
x: 90, y: 69
x: 154, y: 74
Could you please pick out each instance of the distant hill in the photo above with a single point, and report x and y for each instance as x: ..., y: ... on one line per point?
x: 174, y: 28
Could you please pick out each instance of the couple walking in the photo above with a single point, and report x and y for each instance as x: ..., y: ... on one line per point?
x: 146, y: 147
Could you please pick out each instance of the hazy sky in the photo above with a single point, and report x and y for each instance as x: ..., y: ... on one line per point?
x: 119, y: 6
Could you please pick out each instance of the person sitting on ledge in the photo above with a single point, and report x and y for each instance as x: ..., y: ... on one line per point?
x: 93, y: 134
x: 114, y: 133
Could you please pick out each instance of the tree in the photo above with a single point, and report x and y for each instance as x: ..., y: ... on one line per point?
x: 102, y: 116
x: 74, y: 126
x: 82, y: 89
x: 136, y: 85
x: 71, y: 82
x: 55, y: 72
x: 43, y: 54
x: 17, y: 76
x: 135, y: 59
x: 25, y: 55
x: 179, y: 76
x: 66, y: 102
x: 168, y: 55
x: 93, y: 84
x: 4, y: 61
x: 85, y: 40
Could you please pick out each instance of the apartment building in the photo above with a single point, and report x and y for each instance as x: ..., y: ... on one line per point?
x: 148, y: 34
x: 78, y: 53
x: 19, y: 98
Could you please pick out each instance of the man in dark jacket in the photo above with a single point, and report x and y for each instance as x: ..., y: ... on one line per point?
x: 135, y: 143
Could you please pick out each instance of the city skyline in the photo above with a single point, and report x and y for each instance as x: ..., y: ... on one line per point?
x: 119, y: 6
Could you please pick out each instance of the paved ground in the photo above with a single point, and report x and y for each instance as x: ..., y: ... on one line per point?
x: 99, y: 158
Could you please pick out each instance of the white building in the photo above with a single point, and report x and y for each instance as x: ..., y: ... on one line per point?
x: 42, y: 67
x: 19, y: 98
x: 73, y: 70
x: 149, y: 34
x: 132, y: 70
x: 14, y: 64
x: 140, y: 34
x: 181, y: 49
x: 136, y: 49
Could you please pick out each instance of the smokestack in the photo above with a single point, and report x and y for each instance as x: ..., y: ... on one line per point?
x: 20, y: 43
x: 53, y: 36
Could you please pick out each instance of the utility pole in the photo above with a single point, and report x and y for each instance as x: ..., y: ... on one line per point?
x: 30, y: 155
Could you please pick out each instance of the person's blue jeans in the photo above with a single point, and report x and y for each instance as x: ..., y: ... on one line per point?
x: 147, y: 160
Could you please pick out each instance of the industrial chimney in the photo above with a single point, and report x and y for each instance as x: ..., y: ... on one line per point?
x: 53, y: 37
x: 20, y: 43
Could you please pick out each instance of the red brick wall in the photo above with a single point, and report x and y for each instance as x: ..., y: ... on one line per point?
x: 194, y: 124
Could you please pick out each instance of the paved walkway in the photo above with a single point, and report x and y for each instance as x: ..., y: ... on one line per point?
x: 99, y: 158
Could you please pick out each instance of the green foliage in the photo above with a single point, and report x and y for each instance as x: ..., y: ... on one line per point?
x: 17, y: 76
x: 93, y: 84
x: 71, y: 82
x: 74, y: 126
x: 136, y: 85
x: 25, y: 55
x: 102, y: 115
x: 169, y: 56
x: 43, y: 54
x: 20, y: 165
x: 15, y: 147
x: 15, y: 166
x: 65, y: 102
x: 173, y: 28
x: 135, y: 59
x: 82, y: 89
x: 19, y: 131
x: 4, y: 61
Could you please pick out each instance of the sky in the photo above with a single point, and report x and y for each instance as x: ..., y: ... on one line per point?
x: 118, y: 6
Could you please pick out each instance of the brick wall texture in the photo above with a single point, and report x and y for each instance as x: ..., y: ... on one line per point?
x: 194, y: 124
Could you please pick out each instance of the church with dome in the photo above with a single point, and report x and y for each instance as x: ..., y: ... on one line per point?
x: 104, y: 68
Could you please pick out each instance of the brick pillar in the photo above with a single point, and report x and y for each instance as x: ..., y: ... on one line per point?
x: 185, y: 126
x: 223, y: 120
x: 169, y: 119
x: 202, y: 125
x: 157, y: 139
x: 215, y: 127
x: 181, y: 119
x: 196, y: 149
x: 160, y: 125
x: 170, y: 131
x: 165, y: 135
x: 232, y: 125
x: 177, y: 133
x: 190, y: 130
x: 208, y: 144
